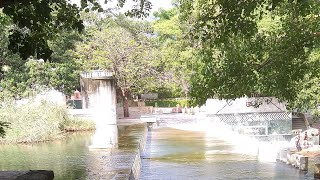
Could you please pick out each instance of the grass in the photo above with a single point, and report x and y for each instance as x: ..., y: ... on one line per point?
x: 78, y: 124
x: 35, y: 122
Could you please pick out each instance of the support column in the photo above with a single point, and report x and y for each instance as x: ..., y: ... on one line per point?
x: 99, y: 97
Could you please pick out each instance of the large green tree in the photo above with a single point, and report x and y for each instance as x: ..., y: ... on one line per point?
x: 176, y: 51
x: 34, y: 42
x: 245, y: 47
x: 127, y: 51
x: 37, y: 21
x: 19, y: 77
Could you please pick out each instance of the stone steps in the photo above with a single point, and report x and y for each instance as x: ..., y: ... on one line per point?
x: 298, y: 123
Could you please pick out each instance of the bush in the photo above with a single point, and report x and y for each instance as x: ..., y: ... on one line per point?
x: 34, y: 122
x: 168, y: 103
x: 78, y: 124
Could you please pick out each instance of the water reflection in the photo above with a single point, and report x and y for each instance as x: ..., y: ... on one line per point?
x: 67, y: 158
x: 70, y: 158
x: 105, y: 136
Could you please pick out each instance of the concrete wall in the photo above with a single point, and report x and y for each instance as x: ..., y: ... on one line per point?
x: 135, y: 112
x: 135, y: 171
x: 97, y: 92
x: 99, y: 95
x: 149, y: 96
x: 244, y: 105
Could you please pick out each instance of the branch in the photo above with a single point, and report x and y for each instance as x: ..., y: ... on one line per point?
x: 264, y: 64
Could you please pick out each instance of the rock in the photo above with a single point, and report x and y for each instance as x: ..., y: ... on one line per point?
x: 37, y: 175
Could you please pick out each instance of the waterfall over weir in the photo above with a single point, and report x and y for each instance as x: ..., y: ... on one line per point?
x: 263, y: 147
x: 212, y: 149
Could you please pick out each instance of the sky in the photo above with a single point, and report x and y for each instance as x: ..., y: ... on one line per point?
x: 156, y: 4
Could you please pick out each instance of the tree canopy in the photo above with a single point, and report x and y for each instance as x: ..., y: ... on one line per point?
x: 124, y: 47
x: 247, y: 47
x: 37, y: 21
x: 176, y: 51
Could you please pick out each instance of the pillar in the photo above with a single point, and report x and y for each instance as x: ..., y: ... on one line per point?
x: 99, y: 97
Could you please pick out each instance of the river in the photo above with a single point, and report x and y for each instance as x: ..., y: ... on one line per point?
x: 191, y: 149
x: 177, y: 149
x: 70, y: 158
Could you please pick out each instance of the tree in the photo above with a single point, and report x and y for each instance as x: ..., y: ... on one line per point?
x: 247, y: 47
x: 176, y: 51
x: 37, y: 21
x: 19, y: 77
x: 130, y: 55
x: 308, y: 97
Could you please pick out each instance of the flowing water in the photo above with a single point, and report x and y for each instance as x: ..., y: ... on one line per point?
x: 181, y: 147
x: 189, y: 148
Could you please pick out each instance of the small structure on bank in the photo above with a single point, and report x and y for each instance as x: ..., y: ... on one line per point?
x: 98, y: 93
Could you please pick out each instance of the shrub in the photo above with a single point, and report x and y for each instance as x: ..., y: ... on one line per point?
x: 168, y: 103
x: 34, y: 122
x: 77, y: 124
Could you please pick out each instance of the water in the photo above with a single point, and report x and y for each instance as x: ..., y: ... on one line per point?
x: 71, y: 157
x: 186, y: 148
x: 182, y: 147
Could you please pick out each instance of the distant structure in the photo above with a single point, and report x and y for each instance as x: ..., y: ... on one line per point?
x: 149, y: 96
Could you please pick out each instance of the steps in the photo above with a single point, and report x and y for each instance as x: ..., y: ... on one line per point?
x: 298, y: 123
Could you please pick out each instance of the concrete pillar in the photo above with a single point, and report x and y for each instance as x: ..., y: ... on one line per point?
x: 99, y: 96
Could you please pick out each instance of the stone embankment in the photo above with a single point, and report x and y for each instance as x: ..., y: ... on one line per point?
x: 303, y: 159
x: 137, y: 164
x: 296, y: 160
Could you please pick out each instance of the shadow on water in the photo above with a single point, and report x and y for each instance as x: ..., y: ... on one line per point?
x: 70, y: 158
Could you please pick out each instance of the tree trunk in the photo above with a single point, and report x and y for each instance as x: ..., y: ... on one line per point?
x: 125, y: 104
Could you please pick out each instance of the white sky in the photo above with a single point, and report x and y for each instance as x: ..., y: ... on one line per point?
x: 156, y: 4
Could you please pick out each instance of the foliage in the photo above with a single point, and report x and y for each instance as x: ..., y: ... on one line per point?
x: 176, y: 51
x: 7, y: 58
x: 173, y: 91
x: 308, y: 98
x: 37, y: 121
x: 19, y: 77
x: 128, y: 54
x: 39, y: 75
x: 77, y: 124
x: 38, y: 21
x: 250, y: 47
x: 124, y: 48
x: 168, y: 103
